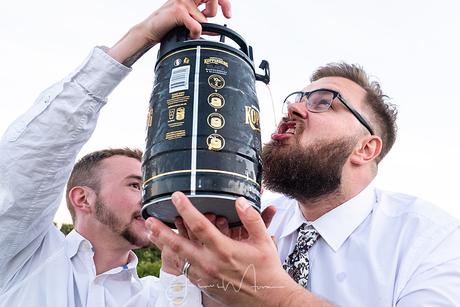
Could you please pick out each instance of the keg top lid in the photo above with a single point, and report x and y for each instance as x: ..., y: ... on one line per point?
x: 178, y: 38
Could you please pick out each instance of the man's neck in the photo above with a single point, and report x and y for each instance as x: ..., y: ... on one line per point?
x: 106, y: 259
x: 313, y: 209
x: 110, y: 251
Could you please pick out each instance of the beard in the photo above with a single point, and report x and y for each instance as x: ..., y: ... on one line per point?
x: 109, y: 218
x: 305, y: 173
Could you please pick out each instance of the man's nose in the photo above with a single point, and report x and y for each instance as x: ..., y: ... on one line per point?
x: 298, y: 109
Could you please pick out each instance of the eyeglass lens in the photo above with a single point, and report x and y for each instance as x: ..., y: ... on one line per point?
x: 318, y: 101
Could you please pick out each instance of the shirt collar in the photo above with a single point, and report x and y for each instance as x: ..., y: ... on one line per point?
x: 74, y: 240
x: 338, y: 224
x: 294, y: 222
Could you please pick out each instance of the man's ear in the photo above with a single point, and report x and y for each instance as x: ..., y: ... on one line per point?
x: 366, y: 150
x: 82, y: 199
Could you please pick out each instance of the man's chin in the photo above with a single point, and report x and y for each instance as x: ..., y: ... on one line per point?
x: 137, y: 235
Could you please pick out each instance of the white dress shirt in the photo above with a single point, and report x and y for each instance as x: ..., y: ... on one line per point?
x: 38, y: 265
x: 377, y: 249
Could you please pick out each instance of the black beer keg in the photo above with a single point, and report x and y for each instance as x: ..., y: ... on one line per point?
x: 203, y: 126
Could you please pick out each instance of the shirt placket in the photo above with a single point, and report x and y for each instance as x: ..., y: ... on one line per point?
x: 96, y: 292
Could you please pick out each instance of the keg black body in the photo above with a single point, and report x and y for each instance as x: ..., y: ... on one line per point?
x: 203, y: 126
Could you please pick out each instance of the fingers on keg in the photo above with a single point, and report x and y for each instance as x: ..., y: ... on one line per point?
x: 181, y: 229
x: 226, y: 8
x: 251, y: 219
x: 192, y: 22
x: 196, y: 222
x: 210, y: 9
x: 164, y: 237
x: 222, y: 225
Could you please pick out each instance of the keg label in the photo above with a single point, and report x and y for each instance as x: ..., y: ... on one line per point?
x: 172, y: 135
x: 215, y: 65
x: 215, y: 60
x: 215, y: 142
x: 216, y: 100
x: 252, y: 117
x: 177, y: 104
x: 216, y: 121
x: 179, y: 79
x: 216, y: 82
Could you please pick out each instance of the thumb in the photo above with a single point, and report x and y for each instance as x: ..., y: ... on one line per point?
x: 251, y: 219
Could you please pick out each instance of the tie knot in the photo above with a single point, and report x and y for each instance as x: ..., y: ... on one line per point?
x: 307, y: 236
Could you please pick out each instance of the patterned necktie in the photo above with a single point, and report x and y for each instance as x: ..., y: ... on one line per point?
x: 297, y: 264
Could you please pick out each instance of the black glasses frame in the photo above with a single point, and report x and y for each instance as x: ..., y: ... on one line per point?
x: 335, y: 94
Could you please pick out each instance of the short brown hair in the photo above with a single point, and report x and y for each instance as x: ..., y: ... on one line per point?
x: 84, y: 172
x: 383, y: 113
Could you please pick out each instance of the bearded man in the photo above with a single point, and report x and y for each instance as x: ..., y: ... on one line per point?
x: 339, y: 239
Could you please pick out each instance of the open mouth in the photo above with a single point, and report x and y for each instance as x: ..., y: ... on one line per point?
x: 285, y: 129
x: 138, y: 217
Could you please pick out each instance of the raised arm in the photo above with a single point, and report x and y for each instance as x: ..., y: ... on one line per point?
x: 38, y: 149
x: 37, y: 153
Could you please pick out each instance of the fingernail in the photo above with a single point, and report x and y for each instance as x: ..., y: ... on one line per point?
x: 243, y: 203
x: 148, y: 222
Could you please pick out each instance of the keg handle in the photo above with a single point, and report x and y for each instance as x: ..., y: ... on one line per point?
x: 226, y: 32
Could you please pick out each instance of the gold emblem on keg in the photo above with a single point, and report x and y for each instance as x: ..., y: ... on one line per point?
x: 216, y: 100
x: 180, y: 113
x: 216, y: 82
x: 252, y: 117
x: 216, y: 120
x: 215, y: 142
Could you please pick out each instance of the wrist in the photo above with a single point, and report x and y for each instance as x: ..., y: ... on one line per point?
x: 131, y: 46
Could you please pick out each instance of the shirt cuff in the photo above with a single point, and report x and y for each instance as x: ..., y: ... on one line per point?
x: 179, y: 290
x: 100, y: 73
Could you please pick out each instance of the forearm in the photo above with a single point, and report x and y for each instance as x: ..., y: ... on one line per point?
x: 131, y: 46
x: 209, y: 302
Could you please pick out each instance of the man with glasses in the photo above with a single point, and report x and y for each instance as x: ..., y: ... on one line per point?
x: 338, y: 239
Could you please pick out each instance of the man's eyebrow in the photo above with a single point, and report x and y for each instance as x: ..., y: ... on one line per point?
x: 137, y: 177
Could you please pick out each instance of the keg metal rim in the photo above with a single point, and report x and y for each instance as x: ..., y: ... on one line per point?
x: 160, y: 199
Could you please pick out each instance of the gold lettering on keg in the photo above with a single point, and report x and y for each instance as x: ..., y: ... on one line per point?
x: 215, y: 142
x: 252, y: 117
x: 172, y: 135
x: 150, y: 117
x: 216, y: 100
x: 180, y: 113
x: 216, y: 81
x: 216, y: 120
x: 177, y: 94
x: 215, y: 60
